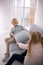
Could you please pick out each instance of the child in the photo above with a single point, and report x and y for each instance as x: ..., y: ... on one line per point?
x: 34, y: 51
x: 16, y: 28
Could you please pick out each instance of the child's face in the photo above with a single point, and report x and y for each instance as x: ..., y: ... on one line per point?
x: 14, y: 24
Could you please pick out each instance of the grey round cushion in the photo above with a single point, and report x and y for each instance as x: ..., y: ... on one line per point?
x: 22, y: 36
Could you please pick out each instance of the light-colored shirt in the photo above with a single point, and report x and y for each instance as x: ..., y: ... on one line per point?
x: 17, y: 29
x: 36, y: 51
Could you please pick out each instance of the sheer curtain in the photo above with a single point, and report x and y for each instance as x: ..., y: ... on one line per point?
x: 20, y: 10
x: 32, y: 14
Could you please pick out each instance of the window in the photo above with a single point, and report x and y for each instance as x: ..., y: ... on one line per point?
x: 20, y: 10
x: 27, y: 3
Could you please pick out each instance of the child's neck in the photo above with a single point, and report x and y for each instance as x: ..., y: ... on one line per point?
x: 15, y: 26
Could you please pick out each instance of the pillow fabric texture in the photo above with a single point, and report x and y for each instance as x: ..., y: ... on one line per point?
x: 22, y: 36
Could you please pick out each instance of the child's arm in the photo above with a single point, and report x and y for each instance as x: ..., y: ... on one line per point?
x: 21, y: 45
x: 11, y: 34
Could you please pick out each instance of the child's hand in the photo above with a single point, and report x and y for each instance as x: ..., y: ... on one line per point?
x: 12, y: 35
x: 17, y: 43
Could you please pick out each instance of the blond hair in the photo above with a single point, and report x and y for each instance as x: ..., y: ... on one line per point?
x: 14, y: 21
x: 35, y: 38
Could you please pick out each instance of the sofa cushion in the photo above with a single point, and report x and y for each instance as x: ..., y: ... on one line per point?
x: 22, y: 36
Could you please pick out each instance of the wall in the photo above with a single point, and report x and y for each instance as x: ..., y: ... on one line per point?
x: 5, y: 13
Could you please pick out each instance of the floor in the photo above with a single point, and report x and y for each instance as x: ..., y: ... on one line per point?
x: 2, y: 47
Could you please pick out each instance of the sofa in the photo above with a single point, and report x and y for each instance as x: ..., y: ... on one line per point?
x: 15, y: 49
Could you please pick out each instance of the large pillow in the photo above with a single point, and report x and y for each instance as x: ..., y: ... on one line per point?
x: 22, y: 36
x: 36, y: 28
